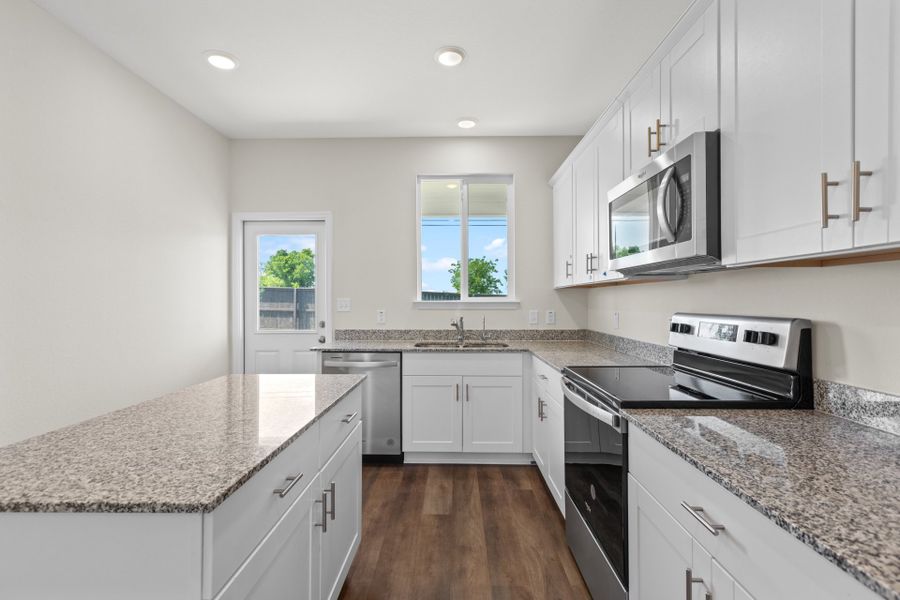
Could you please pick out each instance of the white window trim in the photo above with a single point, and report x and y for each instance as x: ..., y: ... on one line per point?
x: 510, y: 301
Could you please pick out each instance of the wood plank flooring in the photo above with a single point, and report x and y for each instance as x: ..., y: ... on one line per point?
x: 460, y: 532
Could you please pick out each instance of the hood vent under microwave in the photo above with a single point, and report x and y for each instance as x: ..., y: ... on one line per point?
x: 679, y: 266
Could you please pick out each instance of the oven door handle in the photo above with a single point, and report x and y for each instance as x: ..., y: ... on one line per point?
x: 601, y: 414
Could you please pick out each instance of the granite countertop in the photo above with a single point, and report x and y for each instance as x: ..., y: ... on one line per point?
x: 831, y: 483
x: 184, y: 452
x: 557, y: 354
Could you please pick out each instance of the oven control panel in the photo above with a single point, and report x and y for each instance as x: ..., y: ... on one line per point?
x: 769, y: 341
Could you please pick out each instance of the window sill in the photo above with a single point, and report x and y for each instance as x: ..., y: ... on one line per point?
x: 504, y: 304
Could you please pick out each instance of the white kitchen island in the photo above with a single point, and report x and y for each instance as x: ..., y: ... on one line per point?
x: 245, y: 486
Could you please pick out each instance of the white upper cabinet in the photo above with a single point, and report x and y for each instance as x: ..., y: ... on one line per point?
x: 563, y: 232
x: 786, y: 94
x: 585, y: 182
x: 876, y: 122
x: 690, y: 80
x: 643, y: 115
x: 610, y: 172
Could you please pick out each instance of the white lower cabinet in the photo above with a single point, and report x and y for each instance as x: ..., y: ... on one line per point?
x: 463, y: 403
x: 547, y: 429
x: 750, y: 557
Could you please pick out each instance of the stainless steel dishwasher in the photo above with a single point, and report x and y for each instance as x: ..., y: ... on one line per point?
x: 380, y: 399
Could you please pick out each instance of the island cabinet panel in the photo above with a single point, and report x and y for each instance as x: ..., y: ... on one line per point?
x: 237, y: 526
x: 100, y: 556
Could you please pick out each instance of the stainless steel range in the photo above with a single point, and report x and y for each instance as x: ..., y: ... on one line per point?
x: 719, y: 362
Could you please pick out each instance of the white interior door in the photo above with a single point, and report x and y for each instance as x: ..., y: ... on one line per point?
x: 284, y: 295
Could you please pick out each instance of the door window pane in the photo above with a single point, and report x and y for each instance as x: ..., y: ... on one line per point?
x: 488, y: 234
x: 287, y: 282
x: 441, y: 221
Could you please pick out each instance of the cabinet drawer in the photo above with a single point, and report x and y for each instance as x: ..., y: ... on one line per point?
x: 768, y: 561
x: 489, y: 364
x: 237, y: 526
x: 548, y: 378
x: 338, y: 423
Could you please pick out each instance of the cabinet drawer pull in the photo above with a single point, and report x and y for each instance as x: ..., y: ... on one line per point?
x: 349, y: 418
x: 695, y: 512
x: 456, y: 393
x: 467, y: 392
x: 825, y: 185
x: 689, y: 581
x: 542, y: 376
x: 568, y: 269
x: 332, y: 490
x: 282, y: 492
x: 324, y: 503
x: 854, y: 192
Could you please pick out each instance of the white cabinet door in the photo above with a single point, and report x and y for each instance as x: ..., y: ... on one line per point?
x: 585, y: 182
x: 877, y: 120
x: 563, y: 230
x: 556, y: 468
x: 724, y: 587
x: 341, y: 483
x: 642, y: 110
x: 786, y: 94
x: 286, y: 563
x: 610, y: 173
x: 539, y: 430
x: 690, y: 80
x: 492, y: 414
x: 659, y: 549
x: 432, y: 413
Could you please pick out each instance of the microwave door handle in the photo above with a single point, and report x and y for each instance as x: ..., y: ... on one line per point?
x: 598, y: 413
x: 662, y: 205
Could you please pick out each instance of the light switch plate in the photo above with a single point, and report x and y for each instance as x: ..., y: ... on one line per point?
x: 550, y: 317
x: 533, y: 317
x: 380, y: 316
x: 343, y: 304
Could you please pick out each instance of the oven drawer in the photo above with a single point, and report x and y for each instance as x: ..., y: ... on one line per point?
x: 768, y: 561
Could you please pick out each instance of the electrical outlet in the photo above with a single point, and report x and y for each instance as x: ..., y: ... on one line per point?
x: 615, y: 320
x: 550, y: 317
x: 533, y: 317
x: 380, y: 316
x: 343, y: 304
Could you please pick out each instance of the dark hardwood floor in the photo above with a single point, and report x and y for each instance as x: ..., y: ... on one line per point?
x: 466, y: 532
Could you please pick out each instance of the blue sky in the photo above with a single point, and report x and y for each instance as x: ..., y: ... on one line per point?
x: 441, y: 248
x: 269, y: 244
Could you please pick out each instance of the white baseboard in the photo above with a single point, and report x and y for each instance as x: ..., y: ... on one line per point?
x: 466, y: 458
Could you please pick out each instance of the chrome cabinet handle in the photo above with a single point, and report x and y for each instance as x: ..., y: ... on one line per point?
x: 324, y: 503
x: 467, y: 392
x: 456, y: 393
x: 349, y: 418
x: 542, y: 376
x: 282, y: 492
x: 649, y: 142
x: 695, y: 512
x: 689, y: 581
x: 331, y: 489
x: 568, y: 269
x: 540, y: 409
x: 825, y: 185
x: 854, y: 192
x: 659, y: 128
x: 658, y: 134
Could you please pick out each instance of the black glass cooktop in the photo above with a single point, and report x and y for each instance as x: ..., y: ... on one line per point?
x: 665, y: 387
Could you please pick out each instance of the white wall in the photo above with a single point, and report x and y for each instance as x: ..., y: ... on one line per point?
x: 855, y: 310
x: 370, y: 185
x: 113, y: 233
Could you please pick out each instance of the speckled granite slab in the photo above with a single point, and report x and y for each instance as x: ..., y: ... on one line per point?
x: 556, y: 354
x: 831, y: 483
x: 473, y: 332
x: 875, y: 409
x: 183, y: 452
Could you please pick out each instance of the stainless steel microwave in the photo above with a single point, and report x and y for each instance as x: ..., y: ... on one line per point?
x: 664, y: 220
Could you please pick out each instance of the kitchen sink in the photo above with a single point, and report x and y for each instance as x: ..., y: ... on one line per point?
x: 461, y: 346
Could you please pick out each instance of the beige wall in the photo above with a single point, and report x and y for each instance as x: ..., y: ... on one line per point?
x: 855, y: 310
x: 369, y: 185
x: 113, y: 233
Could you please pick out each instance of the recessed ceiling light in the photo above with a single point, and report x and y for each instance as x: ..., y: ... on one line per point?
x: 452, y: 186
x: 221, y: 60
x: 450, y: 56
x: 467, y: 123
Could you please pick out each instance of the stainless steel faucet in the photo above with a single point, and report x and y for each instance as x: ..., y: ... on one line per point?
x: 460, y: 330
x: 484, y: 335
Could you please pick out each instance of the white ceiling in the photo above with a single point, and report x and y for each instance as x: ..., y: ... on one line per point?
x: 365, y: 68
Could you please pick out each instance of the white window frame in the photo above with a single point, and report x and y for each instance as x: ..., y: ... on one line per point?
x: 510, y: 301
